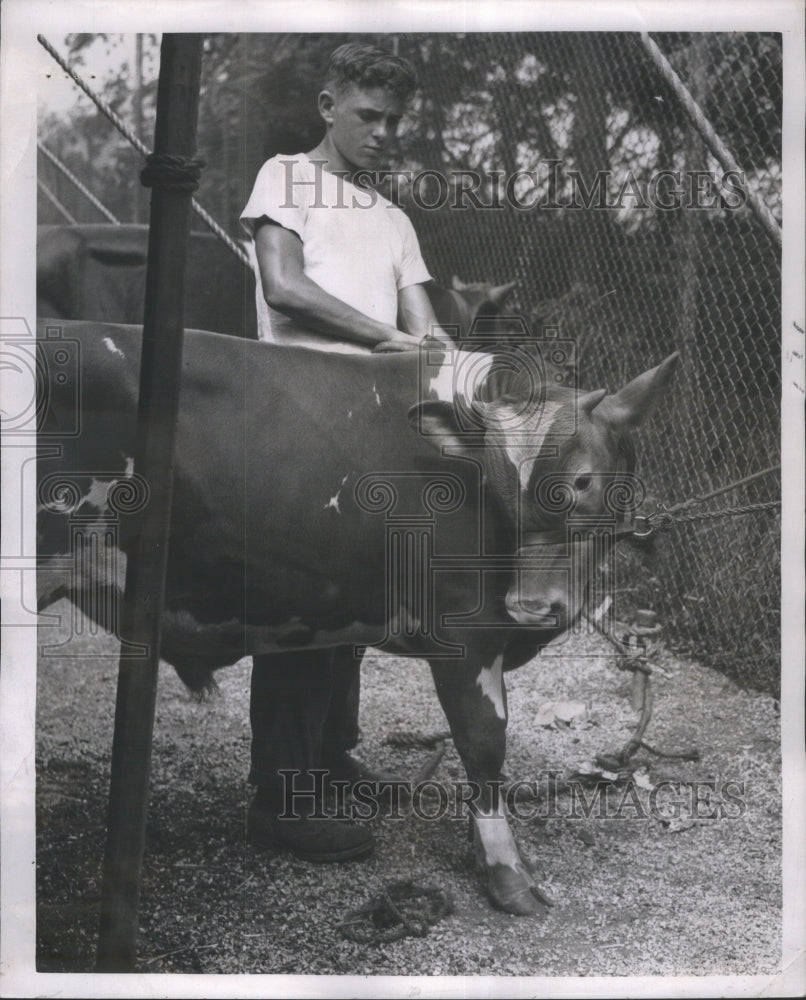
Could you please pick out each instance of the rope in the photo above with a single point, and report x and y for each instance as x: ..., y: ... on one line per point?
x: 710, y: 137
x: 665, y: 516
x: 693, y: 754
x: 401, y: 909
x: 105, y: 109
x: 663, y: 519
x: 55, y: 201
x: 718, y: 492
x: 171, y: 173
x: 54, y: 159
x: 411, y: 739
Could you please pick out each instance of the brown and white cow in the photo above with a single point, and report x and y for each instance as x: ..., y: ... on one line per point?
x: 319, y: 500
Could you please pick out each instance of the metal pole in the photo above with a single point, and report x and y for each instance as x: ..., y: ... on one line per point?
x: 54, y: 201
x: 160, y: 371
x: 709, y: 135
x: 54, y: 159
x: 137, y: 107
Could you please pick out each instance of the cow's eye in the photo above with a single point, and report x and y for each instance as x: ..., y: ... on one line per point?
x: 582, y: 482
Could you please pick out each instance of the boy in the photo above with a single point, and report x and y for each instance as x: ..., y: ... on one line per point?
x: 336, y: 265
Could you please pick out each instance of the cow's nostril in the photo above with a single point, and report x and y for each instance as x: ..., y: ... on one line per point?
x: 559, y: 611
x: 534, y: 612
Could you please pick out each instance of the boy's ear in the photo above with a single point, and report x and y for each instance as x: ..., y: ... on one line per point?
x: 326, y: 103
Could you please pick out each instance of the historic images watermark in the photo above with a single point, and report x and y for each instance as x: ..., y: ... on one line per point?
x: 542, y: 798
x: 91, y: 510
x: 550, y: 186
x: 557, y: 552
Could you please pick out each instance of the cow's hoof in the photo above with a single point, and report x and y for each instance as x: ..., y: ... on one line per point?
x: 510, y: 890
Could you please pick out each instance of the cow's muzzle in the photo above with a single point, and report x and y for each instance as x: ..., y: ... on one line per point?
x: 549, y: 582
x: 548, y: 614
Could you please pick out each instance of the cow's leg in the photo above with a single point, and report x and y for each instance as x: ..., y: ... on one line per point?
x: 474, y: 701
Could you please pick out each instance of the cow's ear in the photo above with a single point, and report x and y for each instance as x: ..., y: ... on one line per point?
x: 435, y: 421
x: 638, y: 399
x: 588, y: 401
x: 498, y: 294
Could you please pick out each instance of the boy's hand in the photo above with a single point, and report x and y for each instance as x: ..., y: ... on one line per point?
x: 438, y: 335
x: 399, y: 342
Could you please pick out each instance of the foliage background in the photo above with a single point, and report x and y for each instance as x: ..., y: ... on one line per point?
x: 627, y: 285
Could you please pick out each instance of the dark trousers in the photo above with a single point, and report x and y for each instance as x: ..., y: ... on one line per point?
x: 303, y: 710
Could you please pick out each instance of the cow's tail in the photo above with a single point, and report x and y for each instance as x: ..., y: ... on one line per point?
x: 196, y: 651
x: 199, y: 680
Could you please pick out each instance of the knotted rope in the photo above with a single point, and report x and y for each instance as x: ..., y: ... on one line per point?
x: 171, y: 173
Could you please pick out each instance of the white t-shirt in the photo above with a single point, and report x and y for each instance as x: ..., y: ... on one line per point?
x: 357, y: 246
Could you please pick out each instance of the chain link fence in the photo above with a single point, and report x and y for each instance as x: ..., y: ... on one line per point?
x: 565, y: 162
x: 652, y: 263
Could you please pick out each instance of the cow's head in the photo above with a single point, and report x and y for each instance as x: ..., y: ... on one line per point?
x: 459, y: 307
x: 482, y: 297
x: 563, y: 455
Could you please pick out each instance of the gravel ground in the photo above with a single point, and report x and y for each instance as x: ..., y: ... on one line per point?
x: 635, y: 895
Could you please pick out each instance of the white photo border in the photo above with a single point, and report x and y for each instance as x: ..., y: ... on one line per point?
x: 21, y: 69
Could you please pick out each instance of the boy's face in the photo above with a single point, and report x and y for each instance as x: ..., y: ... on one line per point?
x: 361, y: 123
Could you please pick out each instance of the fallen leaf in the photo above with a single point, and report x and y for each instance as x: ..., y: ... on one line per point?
x: 567, y: 711
x: 545, y: 715
x: 679, y: 825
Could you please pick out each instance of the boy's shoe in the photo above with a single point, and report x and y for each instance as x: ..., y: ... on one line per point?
x: 344, y: 767
x: 321, y: 840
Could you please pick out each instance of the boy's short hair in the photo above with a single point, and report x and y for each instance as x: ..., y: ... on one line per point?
x: 370, y: 66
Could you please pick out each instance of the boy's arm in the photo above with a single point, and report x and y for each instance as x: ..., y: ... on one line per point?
x: 290, y: 291
x: 417, y: 314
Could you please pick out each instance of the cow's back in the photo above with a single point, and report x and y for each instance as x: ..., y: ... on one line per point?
x: 274, y: 510
x: 300, y: 436
x: 97, y: 272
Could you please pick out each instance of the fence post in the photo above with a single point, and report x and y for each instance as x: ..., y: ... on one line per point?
x: 717, y: 148
x: 170, y: 169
